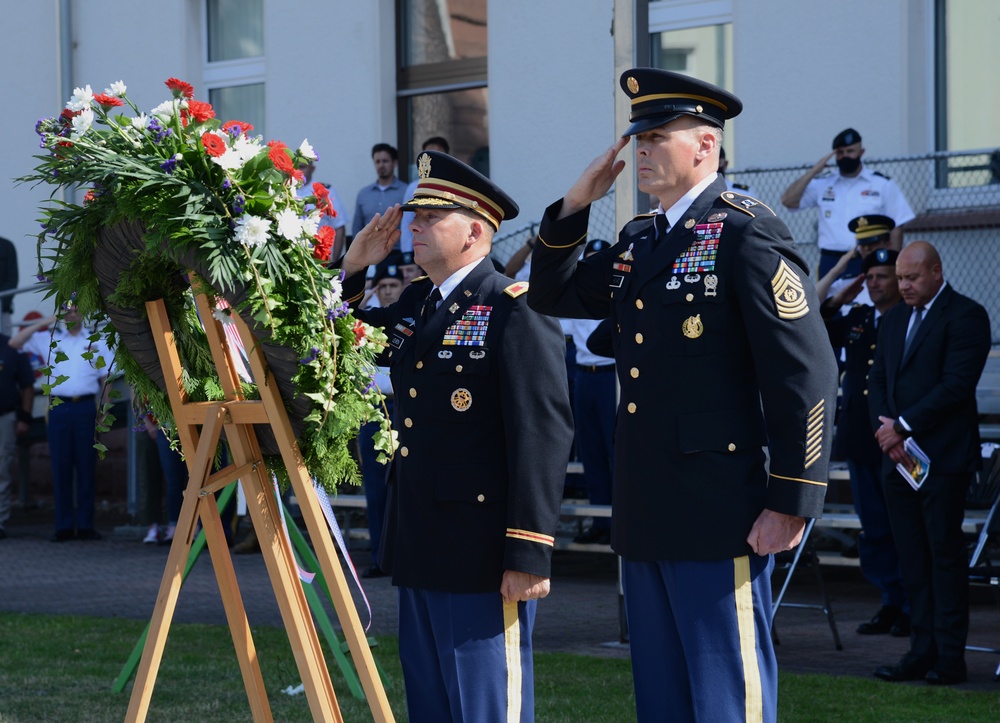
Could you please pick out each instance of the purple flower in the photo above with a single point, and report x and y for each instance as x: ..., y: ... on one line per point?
x: 369, y: 386
x: 43, y: 279
x: 227, y: 184
x: 169, y: 165
x: 338, y: 312
x: 238, y: 205
x: 311, y: 357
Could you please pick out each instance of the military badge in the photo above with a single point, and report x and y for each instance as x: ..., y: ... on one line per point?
x: 617, y: 280
x: 789, y: 294
x: 711, y: 284
x: 622, y: 267
x: 673, y: 283
x: 453, y: 308
x: 715, y: 217
x: 461, y: 400
x: 692, y: 327
x: 700, y: 256
x: 692, y: 278
x: 689, y: 224
x: 626, y: 255
x: 477, y: 354
x: 471, y: 329
x: 444, y: 354
x: 424, y: 166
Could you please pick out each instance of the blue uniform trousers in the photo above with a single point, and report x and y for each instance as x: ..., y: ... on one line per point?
x: 71, y: 446
x: 700, y: 638
x: 876, y: 548
x: 373, y: 475
x: 466, y: 657
x: 594, y: 412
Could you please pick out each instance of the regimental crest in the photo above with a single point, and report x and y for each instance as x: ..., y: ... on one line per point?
x: 789, y: 293
x: 424, y: 166
x: 633, y: 85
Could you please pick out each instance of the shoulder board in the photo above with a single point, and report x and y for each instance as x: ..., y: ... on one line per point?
x: 516, y: 289
x: 879, y: 173
x: 419, y: 278
x: 747, y: 204
x: 644, y: 215
x: 741, y: 186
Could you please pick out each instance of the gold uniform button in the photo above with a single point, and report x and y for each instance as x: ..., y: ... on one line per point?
x: 638, y: 303
x: 408, y: 422
x: 872, y: 347
x: 631, y: 407
x: 865, y: 392
x: 689, y: 297
x: 634, y: 373
x: 458, y: 368
x: 731, y: 447
x: 481, y: 498
x: 403, y: 451
x: 420, y: 365
x: 870, y: 362
x: 638, y: 338
x: 413, y: 392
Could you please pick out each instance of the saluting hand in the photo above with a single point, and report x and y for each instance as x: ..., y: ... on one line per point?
x: 595, y: 181
x: 374, y: 242
x: 775, y: 532
x: 517, y: 586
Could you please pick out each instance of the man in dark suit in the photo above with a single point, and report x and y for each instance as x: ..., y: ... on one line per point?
x: 855, y: 332
x: 485, y: 429
x: 720, y: 350
x: 930, y: 354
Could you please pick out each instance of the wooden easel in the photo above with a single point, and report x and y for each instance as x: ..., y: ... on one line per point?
x: 237, y: 415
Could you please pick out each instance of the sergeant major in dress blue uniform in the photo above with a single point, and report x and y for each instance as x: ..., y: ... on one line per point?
x: 485, y: 429
x: 720, y: 350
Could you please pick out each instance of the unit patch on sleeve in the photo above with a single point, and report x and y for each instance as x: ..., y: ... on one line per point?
x: 789, y: 294
x: 471, y: 329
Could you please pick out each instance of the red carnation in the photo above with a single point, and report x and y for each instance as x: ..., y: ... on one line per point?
x: 200, y: 110
x: 89, y: 197
x: 244, y: 127
x: 214, y: 146
x: 179, y: 88
x: 323, y: 203
x: 324, y: 243
x: 108, y: 101
x: 279, y: 156
x: 359, y: 331
x: 298, y: 175
x: 67, y: 115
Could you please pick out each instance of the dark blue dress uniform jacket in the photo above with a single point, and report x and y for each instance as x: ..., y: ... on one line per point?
x: 484, y: 435
x: 713, y: 367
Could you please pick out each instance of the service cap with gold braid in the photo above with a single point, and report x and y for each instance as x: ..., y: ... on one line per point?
x: 446, y: 182
x: 660, y: 96
x: 871, y: 229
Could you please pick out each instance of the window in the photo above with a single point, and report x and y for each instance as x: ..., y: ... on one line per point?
x: 441, y: 82
x: 234, y: 60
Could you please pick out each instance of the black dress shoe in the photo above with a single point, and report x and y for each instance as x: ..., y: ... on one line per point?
x: 901, y: 628
x: 593, y: 537
x: 373, y: 571
x: 883, y: 621
x: 945, y: 677
x: 900, y: 673
x: 89, y: 534
x: 62, y: 536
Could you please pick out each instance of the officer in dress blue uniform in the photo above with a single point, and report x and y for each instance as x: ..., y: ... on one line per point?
x: 720, y: 351
x: 856, y: 333
x: 485, y: 429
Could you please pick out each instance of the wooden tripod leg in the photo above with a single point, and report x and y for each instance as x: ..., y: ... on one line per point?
x: 315, y: 521
x: 266, y: 515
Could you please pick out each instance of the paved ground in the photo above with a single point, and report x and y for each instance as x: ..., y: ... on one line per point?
x: 120, y: 577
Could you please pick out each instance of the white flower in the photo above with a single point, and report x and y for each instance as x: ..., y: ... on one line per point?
x: 252, y: 230
x: 242, y: 150
x: 310, y: 224
x: 337, y: 291
x: 289, y: 224
x: 140, y: 122
x: 164, y: 111
x: 307, y: 150
x: 82, y: 98
x: 223, y: 315
x: 117, y: 89
x: 82, y: 123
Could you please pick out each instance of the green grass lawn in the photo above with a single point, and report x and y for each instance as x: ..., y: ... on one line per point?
x: 61, y: 668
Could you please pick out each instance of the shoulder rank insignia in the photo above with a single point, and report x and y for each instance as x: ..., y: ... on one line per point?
x: 745, y: 203
x: 516, y: 289
x: 789, y: 294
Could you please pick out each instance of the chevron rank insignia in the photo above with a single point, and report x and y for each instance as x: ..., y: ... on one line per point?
x: 516, y: 289
x: 789, y: 294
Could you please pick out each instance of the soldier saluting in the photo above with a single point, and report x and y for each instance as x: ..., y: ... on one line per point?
x: 720, y: 350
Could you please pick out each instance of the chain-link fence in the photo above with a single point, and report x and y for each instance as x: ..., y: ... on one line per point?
x: 955, y: 195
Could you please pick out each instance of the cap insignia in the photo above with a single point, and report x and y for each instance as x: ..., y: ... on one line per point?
x: 633, y: 85
x: 862, y: 222
x: 789, y: 294
x: 424, y: 166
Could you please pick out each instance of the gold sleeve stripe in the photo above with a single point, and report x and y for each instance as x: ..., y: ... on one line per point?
x: 814, y: 433
x: 820, y: 405
x: 567, y: 246
x: 512, y: 650
x: 752, y: 689
x: 529, y: 536
x: 796, y: 479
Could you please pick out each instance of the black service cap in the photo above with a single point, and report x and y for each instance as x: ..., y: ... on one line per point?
x: 660, y: 96
x: 446, y: 182
x: 846, y: 138
x: 871, y: 229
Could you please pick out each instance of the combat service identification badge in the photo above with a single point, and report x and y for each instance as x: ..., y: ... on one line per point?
x: 789, y: 294
x: 461, y: 400
x: 693, y: 327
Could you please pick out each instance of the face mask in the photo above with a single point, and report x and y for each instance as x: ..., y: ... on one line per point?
x: 848, y: 165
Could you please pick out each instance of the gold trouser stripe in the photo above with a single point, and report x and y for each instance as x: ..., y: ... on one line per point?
x: 748, y: 640
x: 512, y: 644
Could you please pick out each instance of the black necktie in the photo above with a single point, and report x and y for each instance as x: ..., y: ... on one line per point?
x: 918, y: 315
x: 430, y: 304
x: 662, y: 226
